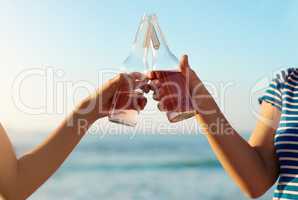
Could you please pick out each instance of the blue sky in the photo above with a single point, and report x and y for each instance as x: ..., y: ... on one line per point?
x: 227, y: 41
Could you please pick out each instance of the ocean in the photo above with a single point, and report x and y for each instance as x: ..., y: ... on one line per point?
x: 139, y: 168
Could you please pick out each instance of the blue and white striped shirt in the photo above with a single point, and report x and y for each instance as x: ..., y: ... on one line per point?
x: 283, y: 94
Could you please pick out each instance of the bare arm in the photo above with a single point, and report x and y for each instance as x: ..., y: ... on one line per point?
x: 19, y: 178
x: 252, y: 165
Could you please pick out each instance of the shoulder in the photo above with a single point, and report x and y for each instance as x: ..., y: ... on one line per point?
x: 283, y: 75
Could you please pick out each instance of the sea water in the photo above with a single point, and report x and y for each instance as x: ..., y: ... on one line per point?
x: 139, y: 168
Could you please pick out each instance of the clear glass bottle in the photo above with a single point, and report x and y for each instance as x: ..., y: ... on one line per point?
x: 165, y: 68
x: 136, y: 61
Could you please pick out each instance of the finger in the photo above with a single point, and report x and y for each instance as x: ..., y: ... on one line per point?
x: 185, y: 60
x: 155, y: 85
x: 142, y: 101
x: 137, y: 99
x: 184, y: 66
x: 138, y: 102
x: 160, y: 107
x: 156, y: 96
x: 145, y: 88
x: 141, y: 84
x: 131, y: 81
x: 159, y: 94
x: 176, y: 104
x: 169, y: 103
x: 150, y: 75
x: 164, y: 107
x: 127, y: 100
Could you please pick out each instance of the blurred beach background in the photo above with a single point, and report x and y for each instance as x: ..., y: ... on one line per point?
x: 143, y: 167
x: 54, y: 53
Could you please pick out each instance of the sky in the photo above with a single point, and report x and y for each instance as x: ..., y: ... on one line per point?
x: 234, y: 46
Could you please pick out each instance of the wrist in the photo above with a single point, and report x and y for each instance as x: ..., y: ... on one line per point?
x: 202, y: 101
x: 88, y: 109
x: 197, y: 91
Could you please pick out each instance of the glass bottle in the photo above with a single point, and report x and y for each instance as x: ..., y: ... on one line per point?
x: 165, y: 68
x: 136, y: 61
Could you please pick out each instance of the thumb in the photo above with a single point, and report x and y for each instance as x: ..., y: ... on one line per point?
x: 184, y: 66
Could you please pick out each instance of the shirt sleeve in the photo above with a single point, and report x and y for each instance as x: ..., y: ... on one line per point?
x: 273, y: 94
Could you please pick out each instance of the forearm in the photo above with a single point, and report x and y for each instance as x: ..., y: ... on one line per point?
x: 36, y: 167
x: 242, y: 162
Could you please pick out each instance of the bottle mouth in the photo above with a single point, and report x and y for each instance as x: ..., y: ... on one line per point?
x: 151, y: 36
x: 149, y: 17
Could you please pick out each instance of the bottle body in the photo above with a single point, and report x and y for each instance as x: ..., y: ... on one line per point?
x: 121, y: 111
x: 123, y: 101
x: 176, y: 95
x: 164, y: 67
x: 150, y: 52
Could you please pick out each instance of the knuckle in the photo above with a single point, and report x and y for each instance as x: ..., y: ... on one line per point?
x: 120, y: 77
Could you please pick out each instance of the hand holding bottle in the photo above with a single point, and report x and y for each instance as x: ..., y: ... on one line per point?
x: 103, y: 100
x: 172, y: 88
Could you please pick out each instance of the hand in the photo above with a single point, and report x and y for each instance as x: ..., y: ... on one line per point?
x: 193, y: 80
x: 163, y: 87
x: 99, y: 104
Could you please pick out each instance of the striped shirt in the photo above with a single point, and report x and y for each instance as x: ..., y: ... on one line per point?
x: 283, y: 94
